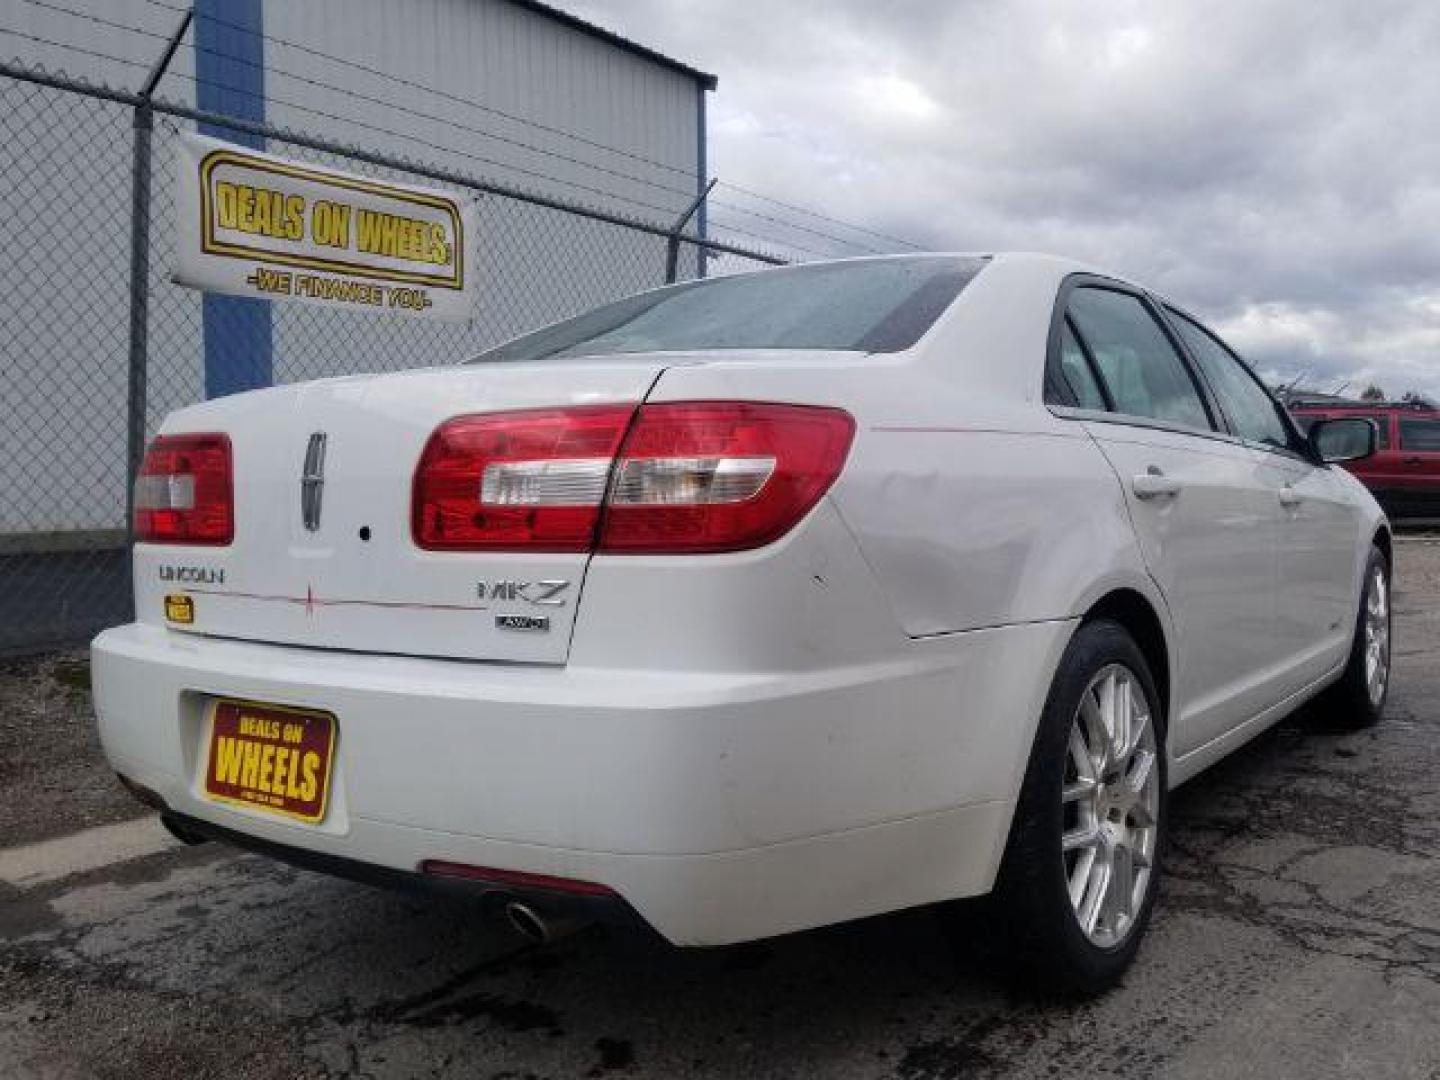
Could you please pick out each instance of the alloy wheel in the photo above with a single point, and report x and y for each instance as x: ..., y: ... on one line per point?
x: 1377, y: 635
x: 1111, y: 803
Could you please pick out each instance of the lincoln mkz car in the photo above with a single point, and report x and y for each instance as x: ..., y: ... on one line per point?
x: 753, y: 604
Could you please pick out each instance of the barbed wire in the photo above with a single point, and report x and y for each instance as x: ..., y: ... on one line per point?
x: 37, y: 39
x: 271, y: 69
x: 528, y: 121
x: 823, y: 217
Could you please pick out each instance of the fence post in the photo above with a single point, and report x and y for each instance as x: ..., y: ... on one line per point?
x: 137, y: 398
x: 672, y: 246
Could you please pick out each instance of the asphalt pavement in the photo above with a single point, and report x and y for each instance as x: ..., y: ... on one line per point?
x: 1298, y: 935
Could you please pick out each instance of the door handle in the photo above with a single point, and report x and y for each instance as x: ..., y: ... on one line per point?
x: 1290, y: 497
x: 1410, y: 461
x: 1154, y: 484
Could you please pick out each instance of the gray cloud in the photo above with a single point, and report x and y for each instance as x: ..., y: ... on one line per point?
x: 1274, y: 166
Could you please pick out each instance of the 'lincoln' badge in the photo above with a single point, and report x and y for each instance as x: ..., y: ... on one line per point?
x: 312, y: 481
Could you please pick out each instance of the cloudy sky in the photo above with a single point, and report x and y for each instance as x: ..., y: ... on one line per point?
x: 1274, y: 167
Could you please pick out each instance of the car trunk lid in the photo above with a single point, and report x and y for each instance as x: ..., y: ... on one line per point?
x: 323, y: 554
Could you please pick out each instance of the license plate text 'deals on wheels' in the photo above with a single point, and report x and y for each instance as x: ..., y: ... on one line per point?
x: 270, y: 757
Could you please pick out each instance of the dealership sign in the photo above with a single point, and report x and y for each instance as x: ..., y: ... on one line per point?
x: 257, y: 225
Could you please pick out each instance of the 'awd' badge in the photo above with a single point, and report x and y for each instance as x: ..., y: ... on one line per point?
x: 532, y: 623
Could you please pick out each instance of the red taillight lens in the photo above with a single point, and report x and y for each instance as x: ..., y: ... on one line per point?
x: 688, y: 477
x: 531, y: 480
x: 721, y: 476
x: 185, y: 491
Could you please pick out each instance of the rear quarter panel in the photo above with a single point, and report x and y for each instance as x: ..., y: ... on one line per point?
x: 972, y: 508
x: 973, y: 505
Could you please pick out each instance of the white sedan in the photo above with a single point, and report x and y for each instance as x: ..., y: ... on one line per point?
x: 752, y: 604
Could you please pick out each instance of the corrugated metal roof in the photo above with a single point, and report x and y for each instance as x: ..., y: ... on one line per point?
x: 705, y: 79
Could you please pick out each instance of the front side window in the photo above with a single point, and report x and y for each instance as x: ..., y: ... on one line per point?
x: 1418, y: 434
x: 1252, y: 412
x: 1141, y: 369
x: 866, y: 305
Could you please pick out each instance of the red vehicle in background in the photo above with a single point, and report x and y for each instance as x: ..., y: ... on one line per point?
x: 1404, y: 472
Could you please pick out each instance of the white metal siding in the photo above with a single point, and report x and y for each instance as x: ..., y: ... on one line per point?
x: 506, y: 57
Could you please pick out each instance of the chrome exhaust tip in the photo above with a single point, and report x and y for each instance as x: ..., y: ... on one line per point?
x: 528, y: 922
x: 539, y: 927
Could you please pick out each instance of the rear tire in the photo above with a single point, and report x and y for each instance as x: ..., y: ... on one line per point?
x: 1078, y: 880
x: 1357, y: 700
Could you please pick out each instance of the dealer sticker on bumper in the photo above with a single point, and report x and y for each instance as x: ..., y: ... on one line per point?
x: 271, y: 757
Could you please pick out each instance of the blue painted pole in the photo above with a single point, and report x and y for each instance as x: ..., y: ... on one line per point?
x: 230, y: 79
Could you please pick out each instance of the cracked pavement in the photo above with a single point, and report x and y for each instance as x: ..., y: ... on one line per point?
x: 1298, y: 934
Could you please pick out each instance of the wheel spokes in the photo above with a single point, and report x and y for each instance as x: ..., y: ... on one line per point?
x: 1124, y: 719
x: 1086, y: 768
x: 1133, y: 785
x: 1119, y: 889
x: 1139, y: 722
x: 1097, y: 884
x: 1093, y: 711
x: 1080, y: 876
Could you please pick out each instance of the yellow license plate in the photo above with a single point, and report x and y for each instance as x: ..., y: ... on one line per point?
x: 271, y: 757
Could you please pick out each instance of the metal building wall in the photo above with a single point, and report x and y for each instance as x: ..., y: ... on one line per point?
x: 513, y: 60
x: 638, y: 124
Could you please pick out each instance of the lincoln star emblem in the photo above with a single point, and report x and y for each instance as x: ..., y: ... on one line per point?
x: 312, y: 481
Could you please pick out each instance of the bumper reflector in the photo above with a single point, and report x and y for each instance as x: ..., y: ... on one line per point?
x: 516, y: 879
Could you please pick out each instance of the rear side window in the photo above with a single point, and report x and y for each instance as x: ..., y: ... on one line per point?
x: 1252, y: 412
x: 1075, y: 371
x: 1139, y: 367
x: 1417, y: 434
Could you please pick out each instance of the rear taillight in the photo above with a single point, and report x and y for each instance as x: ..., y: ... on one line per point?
x: 530, y: 480
x: 185, y: 491
x: 672, y: 477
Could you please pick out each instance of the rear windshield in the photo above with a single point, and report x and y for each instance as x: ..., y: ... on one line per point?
x: 877, y: 305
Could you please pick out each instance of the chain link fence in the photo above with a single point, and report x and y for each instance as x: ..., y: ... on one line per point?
x: 68, y: 338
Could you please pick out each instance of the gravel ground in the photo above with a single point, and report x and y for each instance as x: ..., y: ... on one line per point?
x: 1298, y: 935
x: 53, y: 780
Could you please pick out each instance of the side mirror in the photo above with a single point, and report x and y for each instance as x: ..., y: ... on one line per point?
x: 1343, y: 438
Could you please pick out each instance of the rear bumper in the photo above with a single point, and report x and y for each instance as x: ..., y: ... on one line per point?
x: 555, y: 904
x: 721, y: 807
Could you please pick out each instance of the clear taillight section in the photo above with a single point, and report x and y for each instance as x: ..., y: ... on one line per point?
x: 672, y: 477
x: 713, y: 476
x: 185, y: 491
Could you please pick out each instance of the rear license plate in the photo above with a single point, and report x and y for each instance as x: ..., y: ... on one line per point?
x: 271, y: 757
